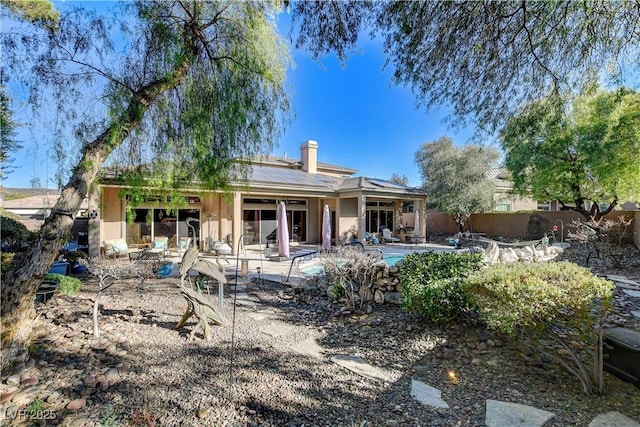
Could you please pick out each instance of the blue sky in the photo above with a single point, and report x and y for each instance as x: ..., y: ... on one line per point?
x: 359, y: 119
x: 354, y: 113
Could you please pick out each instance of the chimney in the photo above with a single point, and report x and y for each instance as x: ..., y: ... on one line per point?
x: 309, y: 156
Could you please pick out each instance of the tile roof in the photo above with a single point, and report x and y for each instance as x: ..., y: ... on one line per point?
x: 288, y: 177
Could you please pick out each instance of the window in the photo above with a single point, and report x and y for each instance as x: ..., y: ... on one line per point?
x: 503, y: 207
x: 407, y: 207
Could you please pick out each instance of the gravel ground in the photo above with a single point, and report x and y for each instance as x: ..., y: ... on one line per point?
x: 142, y: 371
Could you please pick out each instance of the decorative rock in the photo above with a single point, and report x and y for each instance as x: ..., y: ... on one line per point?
x: 53, y: 397
x: 378, y: 296
x: 79, y: 422
x: 13, y: 379
x: 76, y: 404
x: 202, y: 413
x: 613, y: 419
x: 29, y: 381
x: 6, y: 397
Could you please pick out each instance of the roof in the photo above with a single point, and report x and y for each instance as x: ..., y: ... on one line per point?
x: 42, y: 201
x: 296, y: 163
x: 501, y: 178
x: 283, y: 177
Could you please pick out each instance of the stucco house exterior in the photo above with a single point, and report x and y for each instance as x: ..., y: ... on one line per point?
x: 358, y: 205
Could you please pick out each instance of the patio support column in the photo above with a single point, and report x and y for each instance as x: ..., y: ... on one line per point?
x: 93, y: 228
x: 362, y: 217
x: 338, y: 226
x: 236, y: 225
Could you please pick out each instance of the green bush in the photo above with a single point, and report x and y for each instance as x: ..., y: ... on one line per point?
x: 559, y: 307
x: 66, y: 284
x: 431, y: 283
x: 15, y: 236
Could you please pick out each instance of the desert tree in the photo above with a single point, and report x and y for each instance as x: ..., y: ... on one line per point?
x: 399, y: 179
x: 184, y: 85
x: 8, y: 134
x: 482, y: 58
x: 584, y: 152
x: 456, y: 179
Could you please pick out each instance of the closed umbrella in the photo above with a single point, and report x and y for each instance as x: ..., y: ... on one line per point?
x: 326, y: 228
x: 283, y: 231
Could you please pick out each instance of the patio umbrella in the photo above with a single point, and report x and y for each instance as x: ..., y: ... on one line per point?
x: 326, y: 228
x: 283, y: 231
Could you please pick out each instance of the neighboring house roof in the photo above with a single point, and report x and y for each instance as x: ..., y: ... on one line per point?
x: 501, y: 178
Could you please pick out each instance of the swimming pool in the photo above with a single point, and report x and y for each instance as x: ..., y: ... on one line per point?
x: 318, y: 269
x: 313, y: 270
x: 392, y: 259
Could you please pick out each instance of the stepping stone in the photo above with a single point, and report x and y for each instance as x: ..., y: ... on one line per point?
x: 244, y: 299
x: 276, y: 329
x: 635, y: 294
x: 308, y: 347
x: 260, y: 315
x: 506, y: 414
x: 427, y: 395
x: 622, y: 279
x: 359, y: 366
x: 626, y: 286
x: 613, y: 419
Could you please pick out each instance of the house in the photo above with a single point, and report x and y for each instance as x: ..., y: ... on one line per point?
x: 503, y: 198
x: 358, y: 205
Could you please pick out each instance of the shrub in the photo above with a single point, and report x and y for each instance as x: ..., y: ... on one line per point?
x: 15, y: 236
x: 558, y: 306
x: 431, y: 283
x: 66, y: 284
x: 351, y: 274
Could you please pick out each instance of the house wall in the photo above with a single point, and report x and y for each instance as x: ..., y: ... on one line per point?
x: 526, y: 226
x: 348, y: 213
x: 111, y: 215
x: 518, y: 203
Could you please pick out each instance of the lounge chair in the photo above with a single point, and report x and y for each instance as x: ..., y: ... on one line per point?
x: 387, y: 237
x: 117, y: 247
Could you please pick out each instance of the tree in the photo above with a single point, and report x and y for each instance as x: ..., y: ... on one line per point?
x: 584, y: 153
x: 400, y: 180
x: 455, y: 180
x: 188, y: 84
x: 487, y: 58
x: 8, y: 143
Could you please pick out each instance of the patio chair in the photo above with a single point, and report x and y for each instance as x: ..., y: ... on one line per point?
x: 160, y: 244
x: 387, y: 237
x: 117, y: 247
x: 371, y: 239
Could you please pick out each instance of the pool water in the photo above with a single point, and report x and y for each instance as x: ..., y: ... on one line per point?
x: 392, y: 260
x: 313, y: 270
x: 318, y: 269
